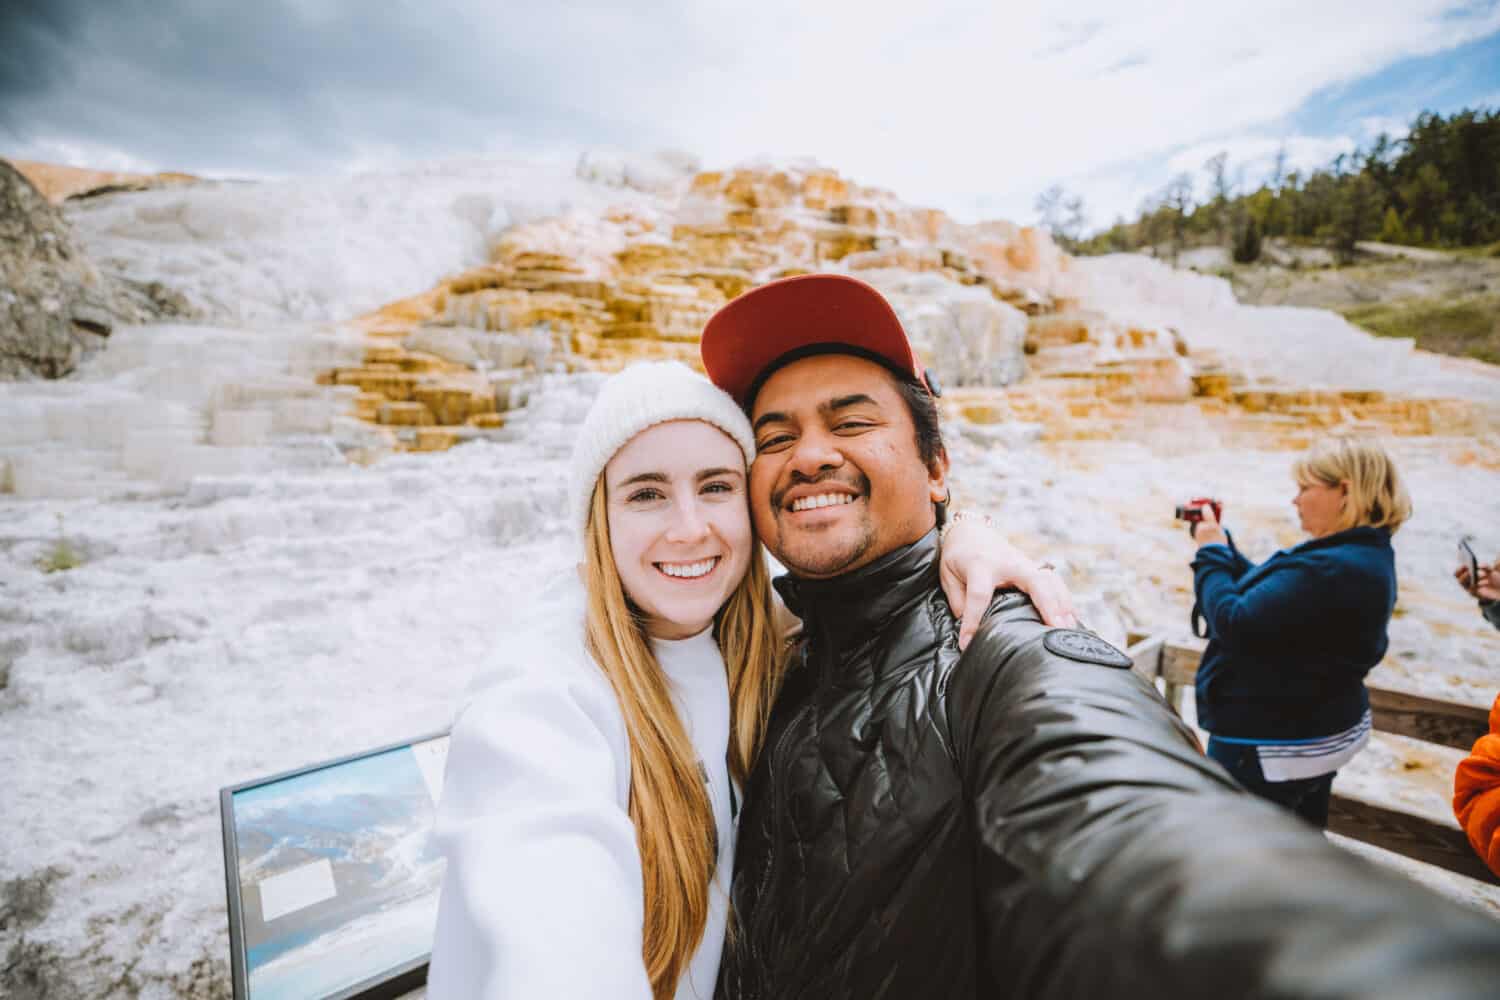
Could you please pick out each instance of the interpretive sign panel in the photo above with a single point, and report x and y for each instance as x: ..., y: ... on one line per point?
x: 332, y: 876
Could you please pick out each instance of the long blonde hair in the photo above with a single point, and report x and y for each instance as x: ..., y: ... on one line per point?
x: 669, y: 806
x: 1377, y: 497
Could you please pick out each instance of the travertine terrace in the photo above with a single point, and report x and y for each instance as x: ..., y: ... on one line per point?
x: 576, y: 293
x: 986, y: 305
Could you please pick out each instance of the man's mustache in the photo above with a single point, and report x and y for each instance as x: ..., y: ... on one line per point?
x: 859, y: 483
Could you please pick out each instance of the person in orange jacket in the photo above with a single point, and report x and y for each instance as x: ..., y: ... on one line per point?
x: 1476, y: 793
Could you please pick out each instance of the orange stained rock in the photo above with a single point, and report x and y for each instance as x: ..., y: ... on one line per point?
x: 577, y: 287
x: 376, y: 356
x: 650, y: 258
x: 636, y: 330
x: 985, y: 413
x: 834, y: 244
x: 858, y: 216
x: 727, y: 281
x: 1156, y: 379
x: 822, y: 189
x: 57, y: 182
x: 919, y: 225
x: 904, y: 258
x: 1467, y: 457
x: 403, y: 314
x: 747, y: 218
x: 1213, y: 384
x: 421, y: 362
x: 523, y: 258
x: 1364, y: 395
x: 392, y: 385
x: 510, y: 309
x: 1252, y: 400
x: 367, y: 406
x: 719, y: 247
x: 405, y: 414
x: 629, y: 219
x: 447, y: 405
x: 754, y: 189
x: 432, y: 439
x: 1011, y: 250
x: 476, y: 279
x: 1062, y: 329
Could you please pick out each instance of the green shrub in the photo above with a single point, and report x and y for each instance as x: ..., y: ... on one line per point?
x: 61, y: 556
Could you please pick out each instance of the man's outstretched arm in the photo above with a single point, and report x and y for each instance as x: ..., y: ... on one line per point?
x: 1115, y: 860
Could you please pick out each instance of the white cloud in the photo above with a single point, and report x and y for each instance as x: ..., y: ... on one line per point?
x: 76, y: 152
x: 1252, y: 158
x: 968, y: 105
x: 960, y: 104
x: 1391, y: 125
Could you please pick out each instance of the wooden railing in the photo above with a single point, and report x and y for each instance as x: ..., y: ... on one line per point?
x: 1175, y: 664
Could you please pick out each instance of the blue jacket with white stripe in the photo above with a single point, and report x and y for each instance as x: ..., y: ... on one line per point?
x: 1290, y: 640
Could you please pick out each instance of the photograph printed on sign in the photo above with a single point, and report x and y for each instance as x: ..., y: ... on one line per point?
x: 338, y: 877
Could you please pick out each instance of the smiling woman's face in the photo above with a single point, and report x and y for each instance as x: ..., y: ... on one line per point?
x: 679, y: 524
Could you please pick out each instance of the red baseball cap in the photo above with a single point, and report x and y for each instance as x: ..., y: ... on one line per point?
x: 808, y: 313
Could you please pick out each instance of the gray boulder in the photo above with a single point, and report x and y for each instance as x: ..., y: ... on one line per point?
x: 55, y: 305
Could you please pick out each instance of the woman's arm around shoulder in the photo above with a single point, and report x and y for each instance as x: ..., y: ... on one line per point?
x: 542, y: 895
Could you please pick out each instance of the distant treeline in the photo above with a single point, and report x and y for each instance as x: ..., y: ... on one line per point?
x: 1439, y: 186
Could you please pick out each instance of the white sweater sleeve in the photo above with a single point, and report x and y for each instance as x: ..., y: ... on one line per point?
x: 542, y: 897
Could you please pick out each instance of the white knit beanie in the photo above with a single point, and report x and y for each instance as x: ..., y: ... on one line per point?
x: 644, y: 395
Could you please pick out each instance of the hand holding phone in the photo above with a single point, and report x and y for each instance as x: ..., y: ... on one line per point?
x: 1468, y: 564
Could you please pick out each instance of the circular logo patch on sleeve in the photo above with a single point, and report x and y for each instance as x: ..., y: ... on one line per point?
x: 1085, y: 647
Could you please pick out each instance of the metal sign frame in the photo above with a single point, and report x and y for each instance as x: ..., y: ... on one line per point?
x: 385, y: 985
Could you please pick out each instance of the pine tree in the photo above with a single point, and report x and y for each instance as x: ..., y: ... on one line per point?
x: 1391, y: 229
x: 1247, y: 246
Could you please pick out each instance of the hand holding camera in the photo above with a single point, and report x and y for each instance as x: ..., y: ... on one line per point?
x: 1202, y: 515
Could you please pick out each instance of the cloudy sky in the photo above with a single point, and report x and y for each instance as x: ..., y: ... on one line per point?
x: 972, y: 107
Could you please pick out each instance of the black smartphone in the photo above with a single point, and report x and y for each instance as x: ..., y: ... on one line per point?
x: 1467, y: 557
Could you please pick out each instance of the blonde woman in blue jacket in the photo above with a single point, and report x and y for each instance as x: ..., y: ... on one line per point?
x: 1281, y: 685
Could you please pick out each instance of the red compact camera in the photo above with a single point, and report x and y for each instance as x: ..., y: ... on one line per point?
x: 1192, y: 511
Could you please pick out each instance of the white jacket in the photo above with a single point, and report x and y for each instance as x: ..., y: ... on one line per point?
x: 542, y: 896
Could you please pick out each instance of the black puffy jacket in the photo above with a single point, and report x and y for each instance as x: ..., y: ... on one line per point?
x: 1028, y: 821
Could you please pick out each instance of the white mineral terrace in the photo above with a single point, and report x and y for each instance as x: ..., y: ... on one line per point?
x: 251, y: 598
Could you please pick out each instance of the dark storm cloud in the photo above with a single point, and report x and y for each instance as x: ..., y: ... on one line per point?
x: 283, y: 84
x: 35, y: 35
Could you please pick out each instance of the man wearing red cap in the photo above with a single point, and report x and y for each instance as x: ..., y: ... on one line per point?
x: 1025, y: 819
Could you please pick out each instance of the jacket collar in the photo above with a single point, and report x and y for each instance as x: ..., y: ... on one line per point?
x: 1360, y: 535
x: 844, y: 611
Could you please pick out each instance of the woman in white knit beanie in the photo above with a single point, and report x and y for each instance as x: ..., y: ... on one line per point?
x: 588, y: 810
